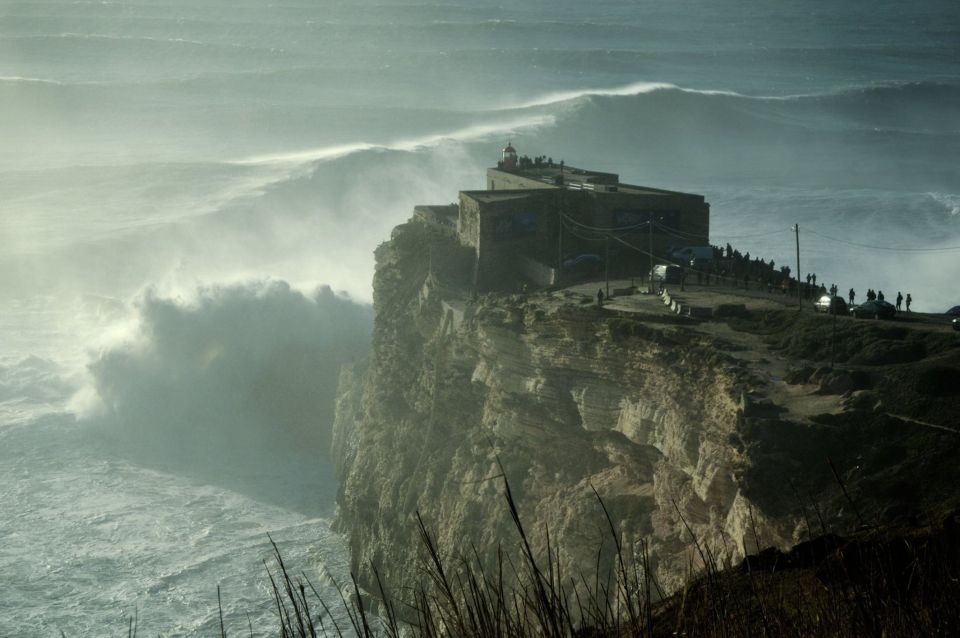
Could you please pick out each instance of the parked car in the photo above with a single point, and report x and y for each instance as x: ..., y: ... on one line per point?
x: 876, y: 309
x: 955, y: 311
x: 832, y: 304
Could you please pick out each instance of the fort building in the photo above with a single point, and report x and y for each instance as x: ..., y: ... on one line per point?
x: 546, y: 223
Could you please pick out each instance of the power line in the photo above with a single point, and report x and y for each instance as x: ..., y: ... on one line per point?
x: 644, y: 252
x: 772, y: 232
x: 596, y: 233
x: 680, y: 234
x: 891, y: 248
x: 580, y: 231
x: 573, y: 231
x: 667, y: 231
x: 676, y: 232
x: 605, y: 230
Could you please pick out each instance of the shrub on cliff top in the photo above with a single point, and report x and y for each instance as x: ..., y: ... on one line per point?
x: 821, y: 338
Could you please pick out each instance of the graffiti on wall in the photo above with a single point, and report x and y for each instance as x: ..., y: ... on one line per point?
x: 515, y: 226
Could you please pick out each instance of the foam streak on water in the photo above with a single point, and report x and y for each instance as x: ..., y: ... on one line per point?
x: 91, y: 539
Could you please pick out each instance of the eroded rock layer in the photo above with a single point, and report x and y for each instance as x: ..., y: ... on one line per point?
x: 678, y: 431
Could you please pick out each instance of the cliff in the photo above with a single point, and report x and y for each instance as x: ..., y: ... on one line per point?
x: 723, y: 428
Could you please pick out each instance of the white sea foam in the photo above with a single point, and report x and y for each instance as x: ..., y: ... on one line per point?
x: 950, y: 202
x: 466, y: 134
x: 249, y: 366
x: 26, y: 80
x: 627, y: 90
x: 641, y: 88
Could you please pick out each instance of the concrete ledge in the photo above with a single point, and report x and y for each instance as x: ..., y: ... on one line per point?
x: 683, y: 309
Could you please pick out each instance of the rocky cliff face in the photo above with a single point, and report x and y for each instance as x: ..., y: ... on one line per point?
x: 669, y: 421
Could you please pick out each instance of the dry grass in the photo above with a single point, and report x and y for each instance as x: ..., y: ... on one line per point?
x: 874, y: 584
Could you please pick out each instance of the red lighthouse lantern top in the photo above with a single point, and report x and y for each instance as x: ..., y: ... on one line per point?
x: 509, y: 157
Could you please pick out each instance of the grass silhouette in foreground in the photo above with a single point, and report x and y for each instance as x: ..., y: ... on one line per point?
x: 876, y: 583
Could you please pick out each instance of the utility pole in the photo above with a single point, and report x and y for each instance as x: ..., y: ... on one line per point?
x: 796, y: 229
x: 650, y: 253
x: 559, y: 245
x: 606, y: 262
x: 833, y: 334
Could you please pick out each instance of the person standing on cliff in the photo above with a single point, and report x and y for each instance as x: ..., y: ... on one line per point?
x: 909, y: 301
x: 600, y: 298
x: 899, y: 300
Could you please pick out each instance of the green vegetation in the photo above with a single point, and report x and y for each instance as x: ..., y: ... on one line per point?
x: 811, y: 336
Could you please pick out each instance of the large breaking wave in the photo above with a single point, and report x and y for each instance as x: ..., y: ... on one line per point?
x: 238, y: 377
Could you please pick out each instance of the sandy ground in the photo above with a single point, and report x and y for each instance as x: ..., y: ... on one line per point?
x: 800, y: 400
x: 708, y: 297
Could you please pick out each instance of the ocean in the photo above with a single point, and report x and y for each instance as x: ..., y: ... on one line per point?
x: 191, y: 193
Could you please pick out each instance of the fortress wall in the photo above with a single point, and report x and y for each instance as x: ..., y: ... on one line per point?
x: 511, y: 229
x: 468, y: 224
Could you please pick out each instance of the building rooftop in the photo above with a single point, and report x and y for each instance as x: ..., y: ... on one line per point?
x: 553, y: 175
x: 498, y: 196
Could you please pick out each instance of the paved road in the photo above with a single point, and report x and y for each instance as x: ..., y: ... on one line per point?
x: 711, y: 296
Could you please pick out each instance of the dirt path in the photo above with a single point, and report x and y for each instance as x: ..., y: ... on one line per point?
x: 800, y: 401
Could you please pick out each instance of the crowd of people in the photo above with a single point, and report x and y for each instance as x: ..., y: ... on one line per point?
x: 878, y: 296
x: 731, y: 267
x: 872, y: 295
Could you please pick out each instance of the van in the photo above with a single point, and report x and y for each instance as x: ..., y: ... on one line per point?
x: 666, y: 274
x: 696, y: 256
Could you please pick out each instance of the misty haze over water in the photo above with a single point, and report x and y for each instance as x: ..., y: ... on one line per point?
x: 190, y: 194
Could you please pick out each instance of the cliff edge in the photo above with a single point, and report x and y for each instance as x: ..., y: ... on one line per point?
x: 725, y: 426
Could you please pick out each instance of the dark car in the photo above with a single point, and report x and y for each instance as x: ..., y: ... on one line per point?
x: 956, y: 325
x: 832, y: 304
x: 876, y: 309
x: 955, y: 311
